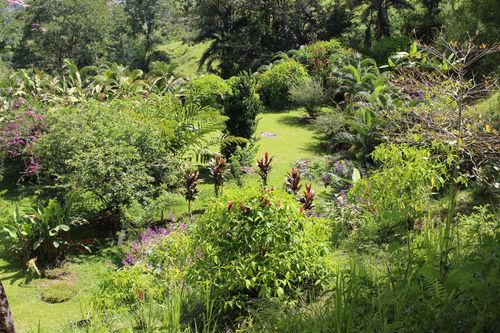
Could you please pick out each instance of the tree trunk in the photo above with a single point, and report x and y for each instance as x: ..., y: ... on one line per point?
x: 6, y: 322
x: 382, y: 22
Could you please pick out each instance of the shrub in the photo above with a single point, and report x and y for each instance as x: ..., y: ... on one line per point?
x: 385, y: 47
x: 241, y: 105
x: 114, y: 154
x: 397, y: 195
x: 318, y: 57
x: 275, y: 84
x: 259, y: 246
x: 208, y: 90
x: 309, y: 94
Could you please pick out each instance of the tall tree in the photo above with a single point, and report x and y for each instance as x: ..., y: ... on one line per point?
x: 245, y: 34
x: 376, y: 12
x: 6, y: 322
x: 10, y: 30
x: 145, y: 19
x: 56, y: 30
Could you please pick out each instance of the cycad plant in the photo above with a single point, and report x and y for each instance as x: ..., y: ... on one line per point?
x: 356, y: 74
x: 218, y: 167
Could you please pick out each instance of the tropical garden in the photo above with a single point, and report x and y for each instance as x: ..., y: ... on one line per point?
x: 249, y: 166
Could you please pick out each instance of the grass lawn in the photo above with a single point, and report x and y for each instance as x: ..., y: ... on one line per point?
x: 286, y: 137
x: 28, y: 308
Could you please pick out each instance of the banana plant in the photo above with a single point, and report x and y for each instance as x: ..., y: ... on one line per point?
x: 18, y: 235
x: 43, y: 232
x: 116, y: 80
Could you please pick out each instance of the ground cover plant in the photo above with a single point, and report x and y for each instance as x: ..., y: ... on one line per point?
x: 201, y: 166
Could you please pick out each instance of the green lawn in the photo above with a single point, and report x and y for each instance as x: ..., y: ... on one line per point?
x: 292, y: 139
x: 29, y: 310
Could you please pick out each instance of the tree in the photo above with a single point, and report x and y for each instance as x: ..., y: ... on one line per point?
x: 377, y: 12
x: 9, y: 31
x: 241, y: 105
x: 6, y: 322
x: 57, y: 30
x: 246, y: 34
x: 145, y: 19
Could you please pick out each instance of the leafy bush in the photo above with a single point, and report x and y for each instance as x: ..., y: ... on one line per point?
x: 385, y: 47
x: 208, y: 90
x: 105, y: 150
x: 259, y: 246
x: 275, y: 84
x: 44, y: 233
x: 397, y: 195
x: 318, y: 57
x: 241, y: 105
x: 309, y: 94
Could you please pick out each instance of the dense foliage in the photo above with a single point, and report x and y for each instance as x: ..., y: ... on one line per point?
x: 290, y: 183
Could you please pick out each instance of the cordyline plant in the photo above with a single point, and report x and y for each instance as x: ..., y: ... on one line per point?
x: 292, y: 182
x: 191, y: 187
x: 218, y: 167
x: 307, y: 200
x: 264, y: 165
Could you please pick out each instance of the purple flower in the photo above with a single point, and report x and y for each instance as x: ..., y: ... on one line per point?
x: 339, y: 167
x: 327, y: 179
x: 33, y: 168
x: 129, y: 260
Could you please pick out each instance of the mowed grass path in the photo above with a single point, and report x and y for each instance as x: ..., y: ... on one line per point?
x: 294, y: 141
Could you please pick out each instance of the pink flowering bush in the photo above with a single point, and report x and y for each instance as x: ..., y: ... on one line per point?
x: 19, y: 129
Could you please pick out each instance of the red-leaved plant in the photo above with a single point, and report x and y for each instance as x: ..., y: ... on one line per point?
x: 264, y: 165
x: 218, y: 167
x: 292, y: 181
x: 191, y: 187
x: 307, y: 199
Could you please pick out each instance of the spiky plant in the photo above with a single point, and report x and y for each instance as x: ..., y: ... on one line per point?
x: 191, y: 187
x: 307, y: 199
x: 292, y: 182
x: 218, y: 167
x: 264, y: 165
